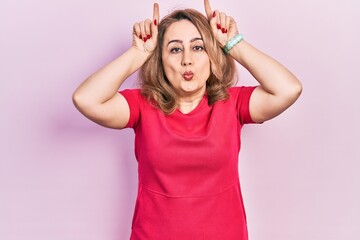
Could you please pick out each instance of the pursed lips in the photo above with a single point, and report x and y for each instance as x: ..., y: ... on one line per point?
x: 188, y: 75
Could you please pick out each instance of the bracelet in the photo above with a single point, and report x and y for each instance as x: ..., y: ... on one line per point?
x: 232, y: 42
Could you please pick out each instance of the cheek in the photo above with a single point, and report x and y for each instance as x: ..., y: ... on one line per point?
x: 205, y: 65
x: 170, y: 65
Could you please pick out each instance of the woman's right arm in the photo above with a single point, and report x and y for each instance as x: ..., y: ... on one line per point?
x: 97, y: 97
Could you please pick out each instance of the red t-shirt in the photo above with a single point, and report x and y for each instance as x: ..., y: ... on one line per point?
x: 188, y: 169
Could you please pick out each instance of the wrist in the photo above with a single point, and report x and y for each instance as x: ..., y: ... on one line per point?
x: 135, y: 58
x: 139, y: 52
x: 230, y: 44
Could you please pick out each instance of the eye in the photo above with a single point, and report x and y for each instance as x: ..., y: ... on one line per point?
x: 176, y: 50
x: 198, y: 48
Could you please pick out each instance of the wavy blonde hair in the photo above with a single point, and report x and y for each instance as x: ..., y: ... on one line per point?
x: 156, y: 87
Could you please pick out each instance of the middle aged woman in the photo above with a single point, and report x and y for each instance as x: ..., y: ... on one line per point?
x: 187, y: 119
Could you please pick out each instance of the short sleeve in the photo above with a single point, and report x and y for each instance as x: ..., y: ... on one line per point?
x: 242, y: 97
x: 133, y: 98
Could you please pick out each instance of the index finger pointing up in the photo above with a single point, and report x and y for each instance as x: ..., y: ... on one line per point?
x: 208, y: 10
x: 156, y: 14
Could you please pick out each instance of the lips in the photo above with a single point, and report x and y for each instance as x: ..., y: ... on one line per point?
x: 188, y: 75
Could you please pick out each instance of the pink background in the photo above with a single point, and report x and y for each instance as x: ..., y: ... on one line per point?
x: 64, y: 178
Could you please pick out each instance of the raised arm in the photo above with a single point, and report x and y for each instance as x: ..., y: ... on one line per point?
x: 278, y: 89
x: 97, y: 97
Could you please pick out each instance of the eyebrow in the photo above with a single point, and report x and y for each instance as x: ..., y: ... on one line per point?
x: 180, y: 41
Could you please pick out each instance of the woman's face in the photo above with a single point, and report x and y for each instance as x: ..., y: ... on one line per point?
x: 185, y: 61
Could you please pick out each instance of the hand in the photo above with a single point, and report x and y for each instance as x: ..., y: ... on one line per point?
x: 145, y: 33
x: 223, y: 26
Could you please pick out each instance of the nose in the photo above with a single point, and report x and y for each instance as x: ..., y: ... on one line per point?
x: 186, y: 59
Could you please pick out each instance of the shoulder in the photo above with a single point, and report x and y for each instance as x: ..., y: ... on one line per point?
x: 131, y: 92
x: 239, y: 97
x: 240, y: 89
x: 240, y: 92
x: 136, y: 99
x: 133, y: 95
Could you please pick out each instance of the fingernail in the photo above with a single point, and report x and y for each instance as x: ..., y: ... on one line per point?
x: 223, y: 30
x: 218, y: 26
x: 148, y: 36
x: 214, y: 14
x: 155, y: 22
x: 144, y: 39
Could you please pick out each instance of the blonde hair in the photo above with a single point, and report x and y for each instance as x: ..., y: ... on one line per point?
x: 153, y: 82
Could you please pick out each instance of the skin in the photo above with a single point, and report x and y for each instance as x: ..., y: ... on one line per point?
x: 98, y: 99
x: 183, y: 50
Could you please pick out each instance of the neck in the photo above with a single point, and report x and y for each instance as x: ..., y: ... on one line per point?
x: 187, y: 104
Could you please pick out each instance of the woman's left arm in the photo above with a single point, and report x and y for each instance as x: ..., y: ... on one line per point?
x: 278, y: 89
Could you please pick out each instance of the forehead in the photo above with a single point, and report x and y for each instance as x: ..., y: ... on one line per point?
x: 182, y: 30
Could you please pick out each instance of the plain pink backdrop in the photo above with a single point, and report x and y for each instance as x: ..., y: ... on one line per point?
x: 64, y: 178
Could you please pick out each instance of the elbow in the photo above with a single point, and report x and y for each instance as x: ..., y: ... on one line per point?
x: 297, y: 89
x: 76, y: 99
x: 79, y: 101
x: 294, y: 92
x: 84, y: 103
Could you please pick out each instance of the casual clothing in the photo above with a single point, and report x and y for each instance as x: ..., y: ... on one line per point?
x: 188, y: 169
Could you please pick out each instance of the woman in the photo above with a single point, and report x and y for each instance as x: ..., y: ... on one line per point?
x: 187, y: 119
